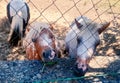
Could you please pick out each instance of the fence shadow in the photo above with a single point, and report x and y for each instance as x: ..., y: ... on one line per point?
x: 110, y: 45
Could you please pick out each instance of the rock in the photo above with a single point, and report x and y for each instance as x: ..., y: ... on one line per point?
x: 110, y: 52
x: 39, y: 75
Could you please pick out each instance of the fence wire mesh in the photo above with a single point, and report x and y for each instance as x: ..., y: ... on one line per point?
x: 61, y: 13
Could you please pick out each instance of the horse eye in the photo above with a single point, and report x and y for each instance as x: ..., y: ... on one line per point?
x: 82, y: 65
x: 51, y: 36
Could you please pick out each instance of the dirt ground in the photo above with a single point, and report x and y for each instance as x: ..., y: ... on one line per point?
x: 61, y: 15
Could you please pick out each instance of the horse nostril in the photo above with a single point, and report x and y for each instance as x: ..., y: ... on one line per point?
x: 44, y: 55
x: 82, y: 65
x: 47, y: 53
x: 79, y: 71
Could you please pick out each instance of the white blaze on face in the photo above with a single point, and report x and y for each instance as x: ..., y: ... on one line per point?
x: 46, y: 41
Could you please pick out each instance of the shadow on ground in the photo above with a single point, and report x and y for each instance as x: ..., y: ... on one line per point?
x: 13, y: 69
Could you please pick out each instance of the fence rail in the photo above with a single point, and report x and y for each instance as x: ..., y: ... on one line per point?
x: 61, y: 13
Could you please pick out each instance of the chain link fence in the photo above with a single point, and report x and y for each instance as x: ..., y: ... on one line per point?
x: 61, y: 13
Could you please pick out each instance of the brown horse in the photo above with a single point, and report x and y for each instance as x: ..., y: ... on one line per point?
x: 40, y: 43
x: 82, y: 40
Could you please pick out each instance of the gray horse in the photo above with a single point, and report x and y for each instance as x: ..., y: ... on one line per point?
x: 18, y: 15
x: 82, y: 40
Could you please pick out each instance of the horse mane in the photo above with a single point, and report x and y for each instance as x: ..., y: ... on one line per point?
x: 81, y: 19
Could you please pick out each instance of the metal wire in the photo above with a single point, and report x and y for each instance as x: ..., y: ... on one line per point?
x: 75, y: 5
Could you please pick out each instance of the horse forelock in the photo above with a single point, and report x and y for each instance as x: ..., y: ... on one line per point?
x: 86, y: 24
x: 82, y: 19
x: 88, y: 29
x: 48, y: 38
x: 43, y: 28
x: 39, y: 31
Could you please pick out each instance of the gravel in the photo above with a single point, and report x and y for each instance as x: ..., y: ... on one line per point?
x: 30, y: 71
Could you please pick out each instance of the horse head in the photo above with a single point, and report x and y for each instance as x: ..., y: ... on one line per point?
x: 82, y: 40
x: 42, y: 42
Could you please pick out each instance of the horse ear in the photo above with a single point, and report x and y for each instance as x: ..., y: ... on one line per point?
x: 78, y: 24
x: 104, y: 26
x: 51, y: 26
x: 27, y: 30
x: 34, y: 40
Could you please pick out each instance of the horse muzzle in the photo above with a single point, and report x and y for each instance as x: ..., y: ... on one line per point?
x: 48, y: 55
x: 79, y: 71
